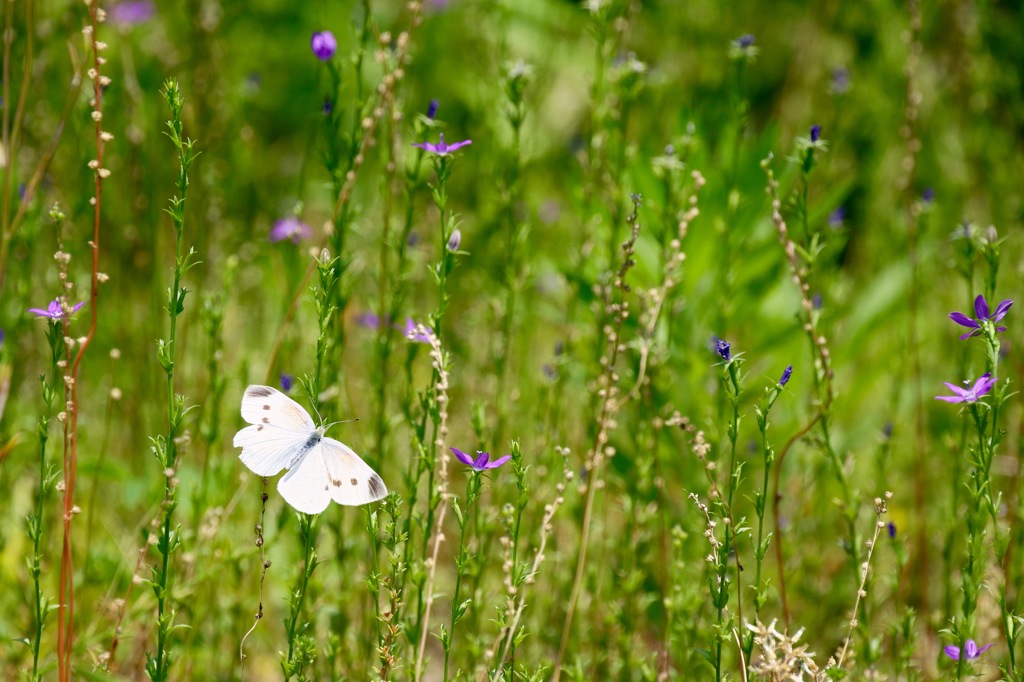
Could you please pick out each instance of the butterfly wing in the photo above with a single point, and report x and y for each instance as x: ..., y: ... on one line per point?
x: 352, y: 482
x: 306, y: 484
x: 281, y: 431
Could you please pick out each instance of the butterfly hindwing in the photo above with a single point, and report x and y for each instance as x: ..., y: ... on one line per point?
x: 306, y: 484
x: 266, y: 449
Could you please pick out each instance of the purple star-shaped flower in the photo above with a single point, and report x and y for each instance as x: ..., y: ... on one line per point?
x: 815, y: 133
x: 481, y: 462
x: 130, y: 13
x: 441, y: 148
x: 290, y: 228
x: 981, y: 310
x: 54, y: 311
x: 287, y: 381
x: 744, y: 41
x: 324, y: 45
x: 971, y: 650
x: 411, y: 334
x: 981, y: 387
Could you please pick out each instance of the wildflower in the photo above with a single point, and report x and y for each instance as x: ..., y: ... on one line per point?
x: 891, y: 529
x: 971, y: 650
x: 54, y: 311
x: 455, y: 240
x: 981, y: 310
x: 815, y: 133
x: 287, y: 380
x: 981, y: 387
x: 840, y: 80
x: 928, y: 195
x: 836, y: 217
x: 432, y: 109
x: 744, y: 41
x: 410, y: 332
x: 481, y: 462
x: 328, y: 106
x: 131, y: 13
x: 816, y: 301
x: 290, y: 228
x: 324, y: 45
x: 786, y: 374
x: 441, y: 148
x: 369, y: 320
x: 723, y: 349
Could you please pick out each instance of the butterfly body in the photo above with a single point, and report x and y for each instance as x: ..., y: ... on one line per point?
x: 282, y: 436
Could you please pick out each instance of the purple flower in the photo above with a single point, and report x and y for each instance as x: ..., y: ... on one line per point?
x: 290, y: 228
x: 411, y: 334
x: 786, y: 374
x: 131, y: 13
x: 441, y: 148
x: 370, y: 320
x: 1, y: 337
x: 816, y: 301
x: 840, y: 80
x: 971, y: 650
x: 455, y: 240
x: 287, y: 381
x: 432, y: 109
x: 836, y: 217
x: 982, y: 386
x: 324, y: 45
x: 328, y: 106
x: 815, y: 133
x: 480, y: 463
x: 723, y: 349
x: 928, y: 195
x: 744, y: 41
x: 981, y: 310
x: 54, y: 311
x: 891, y: 529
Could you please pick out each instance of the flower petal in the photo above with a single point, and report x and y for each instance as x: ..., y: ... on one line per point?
x: 498, y: 462
x: 956, y: 389
x: 984, y: 649
x: 456, y: 145
x: 481, y: 460
x: 952, y: 651
x: 40, y: 312
x: 951, y: 398
x: 981, y: 307
x: 1001, y: 310
x: 963, y: 320
x: 77, y: 307
x: 970, y: 649
x: 462, y: 457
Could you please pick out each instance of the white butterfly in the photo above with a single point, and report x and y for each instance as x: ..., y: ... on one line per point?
x: 283, y: 436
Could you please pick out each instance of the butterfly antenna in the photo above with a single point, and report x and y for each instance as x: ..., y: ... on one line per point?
x: 343, y: 421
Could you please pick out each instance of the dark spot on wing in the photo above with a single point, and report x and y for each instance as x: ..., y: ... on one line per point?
x: 355, y: 481
x: 261, y: 391
x: 260, y: 427
x: 266, y: 420
x: 266, y: 407
x: 336, y: 483
x: 376, y: 487
x: 325, y: 487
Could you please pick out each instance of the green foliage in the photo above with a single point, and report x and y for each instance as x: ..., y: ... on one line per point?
x: 612, y: 218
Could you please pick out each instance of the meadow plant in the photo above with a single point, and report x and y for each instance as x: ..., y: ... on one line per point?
x: 425, y: 217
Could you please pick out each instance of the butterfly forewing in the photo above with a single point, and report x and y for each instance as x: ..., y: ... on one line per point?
x: 266, y: 405
x: 352, y: 481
